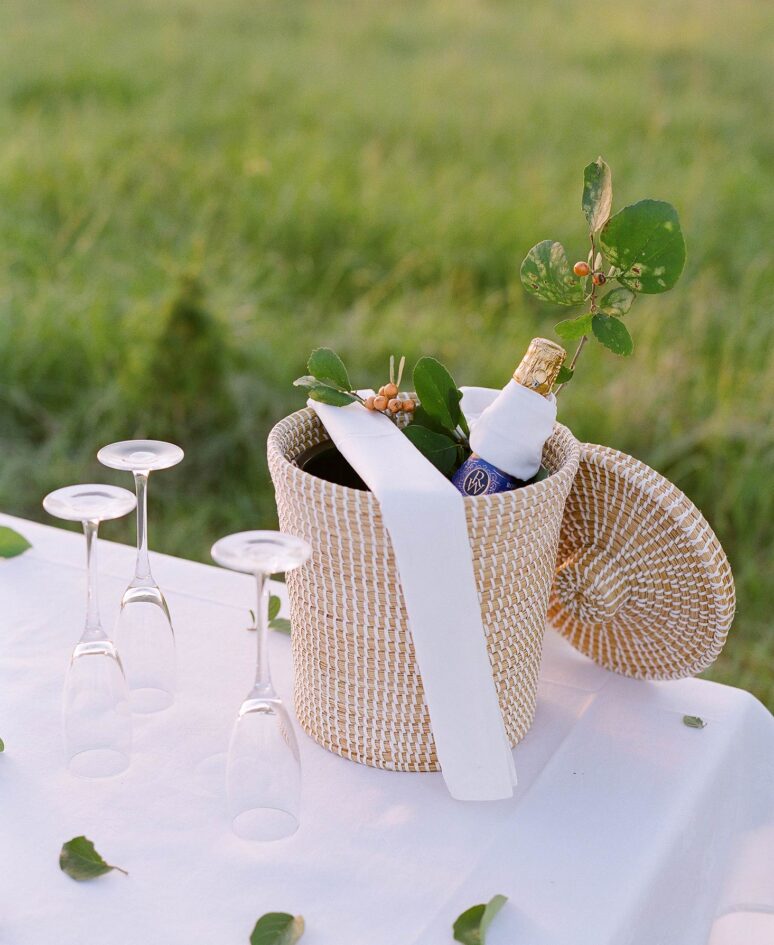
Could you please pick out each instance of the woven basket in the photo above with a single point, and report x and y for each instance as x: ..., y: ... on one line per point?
x: 358, y: 691
x: 643, y: 586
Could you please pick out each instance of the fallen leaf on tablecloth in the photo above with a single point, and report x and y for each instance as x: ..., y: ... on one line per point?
x: 277, y: 928
x: 693, y: 721
x: 12, y: 543
x: 81, y: 861
x: 471, y: 927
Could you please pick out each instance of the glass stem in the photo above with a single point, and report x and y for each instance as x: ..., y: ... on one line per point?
x: 262, y: 673
x: 142, y: 574
x: 93, y: 626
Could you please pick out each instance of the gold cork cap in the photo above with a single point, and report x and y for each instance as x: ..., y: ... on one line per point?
x: 540, y: 365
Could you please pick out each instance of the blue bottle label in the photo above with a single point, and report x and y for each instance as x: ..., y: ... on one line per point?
x: 478, y: 477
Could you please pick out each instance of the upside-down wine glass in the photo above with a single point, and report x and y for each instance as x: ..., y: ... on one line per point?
x: 96, y: 714
x: 144, y: 633
x: 263, y: 771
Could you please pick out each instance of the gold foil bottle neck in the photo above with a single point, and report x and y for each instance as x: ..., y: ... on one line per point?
x: 540, y: 365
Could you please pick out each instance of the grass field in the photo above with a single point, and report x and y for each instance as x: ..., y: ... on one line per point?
x: 194, y: 194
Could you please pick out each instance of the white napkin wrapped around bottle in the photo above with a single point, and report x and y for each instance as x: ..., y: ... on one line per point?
x: 510, y: 426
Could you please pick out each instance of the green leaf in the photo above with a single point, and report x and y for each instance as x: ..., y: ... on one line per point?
x: 462, y: 423
x: 81, y: 861
x: 423, y: 419
x: 597, y: 194
x: 440, y: 449
x: 2, y: 745
x: 541, y: 474
x: 564, y: 375
x: 12, y: 543
x: 694, y: 721
x: 645, y: 243
x: 280, y: 624
x: 330, y: 395
x: 437, y: 392
x: 546, y: 273
x: 274, y: 606
x: 617, y: 301
x: 327, y: 366
x: 613, y: 334
x: 277, y: 928
x: 471, y: 927
x: 573, y: 328
x: 306, y: 381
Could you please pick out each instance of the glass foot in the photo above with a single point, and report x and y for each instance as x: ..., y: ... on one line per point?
x: 140, y: 455
x: 90, y: 502
x: 261, y: 552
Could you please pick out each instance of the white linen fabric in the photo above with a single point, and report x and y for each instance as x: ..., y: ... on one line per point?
x: 475, y: 400
x: 626, y: 828
x: 425, y: 517
x: 512, y: 428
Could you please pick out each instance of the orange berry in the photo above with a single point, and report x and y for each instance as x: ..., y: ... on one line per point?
x: 394, y: 405
x: 380, y: 403
x: 381, y: 391
x: 389, y: 390
x: 581, y: 269
x: 370, y: 402
x: 599, y: 278
x: 408, y: 406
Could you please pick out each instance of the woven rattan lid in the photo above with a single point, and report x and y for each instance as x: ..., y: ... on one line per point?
x: 642, y: 585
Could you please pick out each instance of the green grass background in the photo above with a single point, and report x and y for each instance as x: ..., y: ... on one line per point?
x: 193, y: 194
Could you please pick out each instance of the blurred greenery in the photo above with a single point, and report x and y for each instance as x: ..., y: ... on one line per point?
x: 194, y: 194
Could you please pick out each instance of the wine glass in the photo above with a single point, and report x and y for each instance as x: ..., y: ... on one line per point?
x: 97, y: 717
x: 144, y: 633
x: 263, y: 771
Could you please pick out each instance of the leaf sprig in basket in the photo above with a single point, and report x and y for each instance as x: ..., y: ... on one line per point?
x: 641, y: 247
x: 438, y: 427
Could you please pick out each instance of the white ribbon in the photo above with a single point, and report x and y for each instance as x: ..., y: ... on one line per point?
x: 425, y: 517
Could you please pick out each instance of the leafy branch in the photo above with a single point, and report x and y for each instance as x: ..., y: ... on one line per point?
x: 641, y: 247
x: 437, y: 426
x: 328, y: 380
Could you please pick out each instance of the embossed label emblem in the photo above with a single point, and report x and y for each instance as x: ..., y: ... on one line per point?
x: 476, y: 482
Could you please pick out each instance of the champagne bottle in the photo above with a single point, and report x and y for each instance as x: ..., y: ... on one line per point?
x: 508, y: 438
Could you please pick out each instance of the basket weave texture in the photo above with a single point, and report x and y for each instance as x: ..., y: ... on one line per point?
x: 358, y: 691
x: 643, y: 586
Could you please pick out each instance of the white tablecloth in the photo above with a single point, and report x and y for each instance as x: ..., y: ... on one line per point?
x: 627, y: 827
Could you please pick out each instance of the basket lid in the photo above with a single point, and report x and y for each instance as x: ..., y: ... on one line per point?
x: 642, y: 586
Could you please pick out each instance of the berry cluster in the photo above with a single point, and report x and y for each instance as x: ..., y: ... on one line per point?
x: 387, y: 399
x: 583, y: 269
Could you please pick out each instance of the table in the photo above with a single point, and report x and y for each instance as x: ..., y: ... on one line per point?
x: 627, y: 828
